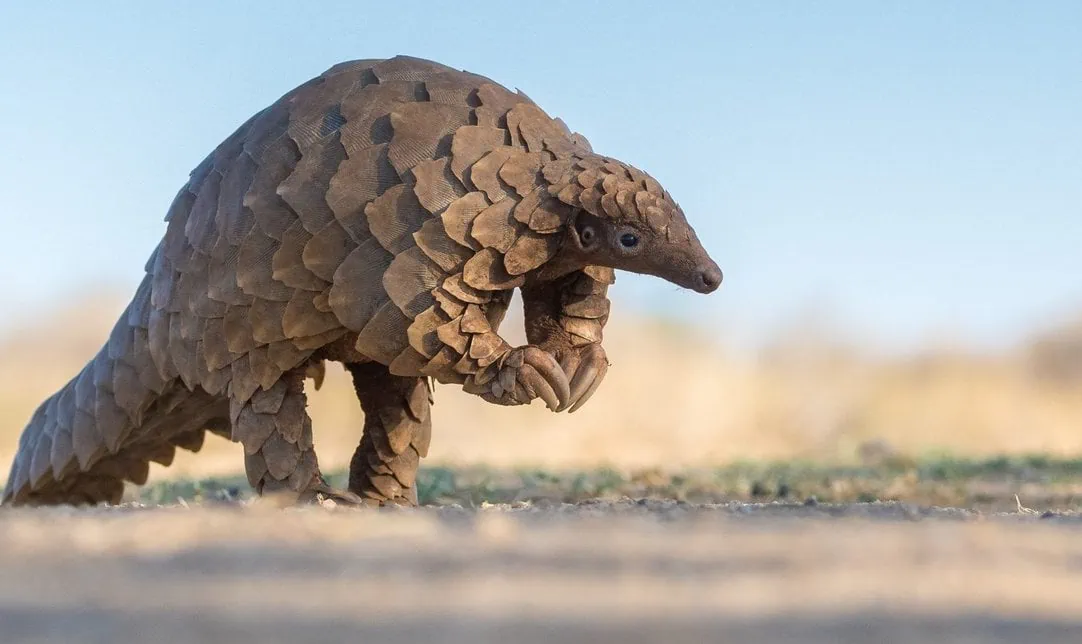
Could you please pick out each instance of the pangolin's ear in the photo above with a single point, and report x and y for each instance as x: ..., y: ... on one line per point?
x: 587, y: 232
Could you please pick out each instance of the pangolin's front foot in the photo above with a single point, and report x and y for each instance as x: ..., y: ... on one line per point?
x: 585, y: 367
x: 521, y: 375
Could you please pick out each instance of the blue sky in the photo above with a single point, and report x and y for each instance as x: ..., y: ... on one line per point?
x: 910, y: 171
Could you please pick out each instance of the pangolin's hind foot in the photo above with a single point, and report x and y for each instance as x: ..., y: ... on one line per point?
x: 321, y: 493
x: 276, y: 432
x: 397, y: 432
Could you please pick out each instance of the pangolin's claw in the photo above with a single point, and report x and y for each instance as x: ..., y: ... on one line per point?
x: 594, y: 384
x: 586, y: 368
x: 538, y: 387
x: 526, y: 373
x: 550, y: 383
x: 317, y: 371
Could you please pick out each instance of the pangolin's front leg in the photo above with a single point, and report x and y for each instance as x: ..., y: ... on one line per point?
x: 565, y: 318
x: 276, y: 432
x: 461, y: 334
x: 397, y: 432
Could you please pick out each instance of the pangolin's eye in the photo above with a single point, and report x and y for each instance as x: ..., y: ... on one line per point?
x: 587, y: 235
x: 629, y: 240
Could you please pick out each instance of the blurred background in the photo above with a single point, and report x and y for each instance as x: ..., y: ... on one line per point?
x: 893, y: 192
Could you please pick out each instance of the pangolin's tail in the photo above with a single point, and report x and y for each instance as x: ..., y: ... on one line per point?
x: 85, y: 440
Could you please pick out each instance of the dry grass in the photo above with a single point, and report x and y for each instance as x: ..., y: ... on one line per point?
x: 673, y: 398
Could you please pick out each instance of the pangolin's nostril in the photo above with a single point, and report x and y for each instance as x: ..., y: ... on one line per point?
x: 710, y: 279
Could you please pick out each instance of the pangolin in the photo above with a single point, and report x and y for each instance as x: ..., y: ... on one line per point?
x: 379, y: 215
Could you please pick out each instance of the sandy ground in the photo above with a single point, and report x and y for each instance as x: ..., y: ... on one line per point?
x: 625, y: 571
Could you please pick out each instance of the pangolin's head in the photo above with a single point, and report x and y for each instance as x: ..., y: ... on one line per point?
x: 625, y: 220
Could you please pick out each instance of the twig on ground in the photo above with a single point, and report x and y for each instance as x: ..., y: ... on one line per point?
x: 1023, y: 509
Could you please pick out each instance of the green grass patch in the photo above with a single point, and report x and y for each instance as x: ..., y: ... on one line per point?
x: 1041, y: 482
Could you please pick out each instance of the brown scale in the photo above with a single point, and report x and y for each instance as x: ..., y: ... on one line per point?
x: 381, y: 216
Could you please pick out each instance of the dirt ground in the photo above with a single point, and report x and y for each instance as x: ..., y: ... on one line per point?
x: 604, y: 571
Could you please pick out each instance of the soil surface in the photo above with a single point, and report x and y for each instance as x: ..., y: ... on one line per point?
x: 604, y: 571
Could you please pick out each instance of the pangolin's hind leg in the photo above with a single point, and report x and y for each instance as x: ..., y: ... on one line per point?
x: 397, y: 431
x: 276, y: 431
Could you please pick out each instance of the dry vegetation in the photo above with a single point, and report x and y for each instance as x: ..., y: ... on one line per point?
x: 674, y: 398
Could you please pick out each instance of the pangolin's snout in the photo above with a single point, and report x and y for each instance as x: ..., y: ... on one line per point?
x: 694, y: 271
x: 708, y: 278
